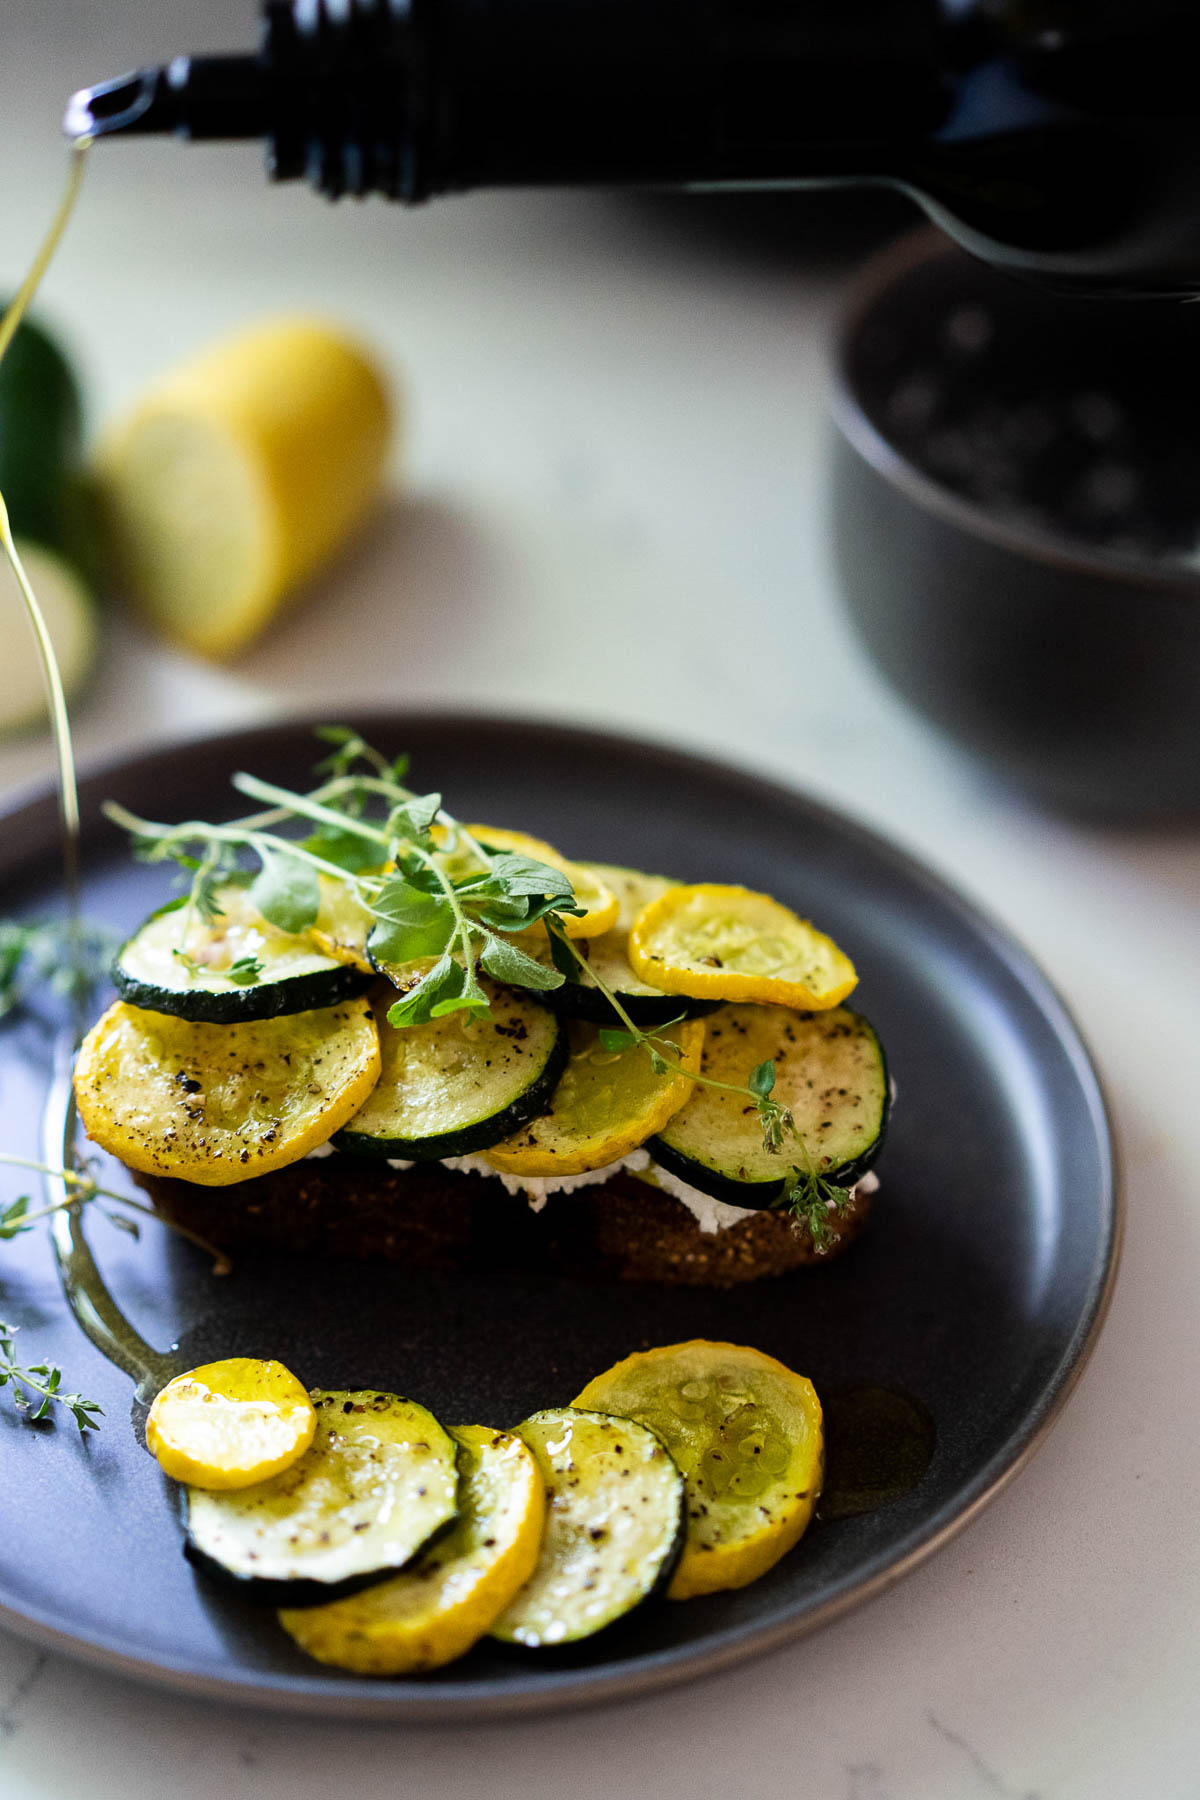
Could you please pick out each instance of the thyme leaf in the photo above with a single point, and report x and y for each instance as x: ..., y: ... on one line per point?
x: 814, y: 1202
x: 244, y: 972
x: 286, y: 891
x: 37, y: 1387
x: 13, y: 1220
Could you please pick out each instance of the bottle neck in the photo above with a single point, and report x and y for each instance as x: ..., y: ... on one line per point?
x: 1058, y: 136
x: 423, y: 97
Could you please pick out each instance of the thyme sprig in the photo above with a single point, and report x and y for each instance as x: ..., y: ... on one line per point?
x: 37, y: 1387
x: 69, y: 957
x: 82, y: 1189
x: 809, y: 1197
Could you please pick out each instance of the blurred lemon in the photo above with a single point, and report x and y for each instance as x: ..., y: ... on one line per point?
x: 239, y: 473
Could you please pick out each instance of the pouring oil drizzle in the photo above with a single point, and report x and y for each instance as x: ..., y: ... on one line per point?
x: 87, y: 1295
x: 68, y: 793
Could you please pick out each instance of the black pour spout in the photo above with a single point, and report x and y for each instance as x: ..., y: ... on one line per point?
x: 192, y: 96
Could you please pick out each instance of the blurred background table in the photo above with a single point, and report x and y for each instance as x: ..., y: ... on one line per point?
x: 614, y: 513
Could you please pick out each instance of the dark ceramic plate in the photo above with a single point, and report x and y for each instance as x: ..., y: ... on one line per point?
x: 977, y: 1289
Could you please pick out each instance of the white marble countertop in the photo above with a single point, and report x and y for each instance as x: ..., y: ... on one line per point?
x: 614, y: 446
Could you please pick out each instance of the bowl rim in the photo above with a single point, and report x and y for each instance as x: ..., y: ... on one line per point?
x: 868, y: 289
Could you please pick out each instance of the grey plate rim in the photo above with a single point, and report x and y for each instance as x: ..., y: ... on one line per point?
x: 31, y: 819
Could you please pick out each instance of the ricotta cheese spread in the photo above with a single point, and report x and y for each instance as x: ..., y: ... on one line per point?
x: 710, y: 1215
x: 538, y: 1188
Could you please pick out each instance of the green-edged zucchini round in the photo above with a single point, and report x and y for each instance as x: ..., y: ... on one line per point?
x: 614, y: 1528
x: 459, y: 1084
x: 830, y: 1070
x: 41, y: 441
x: 647, y: 1006
x: 379, y: 1482
x: 236, y: 968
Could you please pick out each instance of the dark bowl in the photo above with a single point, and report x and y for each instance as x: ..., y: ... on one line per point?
x: 1053, y: 638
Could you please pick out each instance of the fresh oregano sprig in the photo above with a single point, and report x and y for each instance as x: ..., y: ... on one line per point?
x: 37, y: 1387
x: 396, y: 867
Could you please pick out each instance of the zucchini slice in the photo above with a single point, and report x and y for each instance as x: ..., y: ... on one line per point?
x: 204, y: 972
x: 607, y: 1104
x: 230, y: 1424
x: 217, y: 1104
x: 378, y: 1482
x: 829, y: 1069
x: 460, y: 1083
x: 747, y: 1433
x: 436, y: 1610
x: 607, y: 955
x: 614, y: 1529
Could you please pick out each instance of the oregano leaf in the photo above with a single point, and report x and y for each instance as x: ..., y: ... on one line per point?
x: 286, y: 891
x: 412, y: 818
x: 444, y: 979
x: 519, y: 874
x: 506, y: 963
x: 410, y: 923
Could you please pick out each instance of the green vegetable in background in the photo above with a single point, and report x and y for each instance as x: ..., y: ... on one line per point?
x: 42, y: 482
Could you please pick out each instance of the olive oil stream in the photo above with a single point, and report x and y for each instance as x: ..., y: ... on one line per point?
x: 87, y: 1295
x: 68, y: 793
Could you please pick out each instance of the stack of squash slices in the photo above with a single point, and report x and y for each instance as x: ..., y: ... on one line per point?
x: 200, y: 1078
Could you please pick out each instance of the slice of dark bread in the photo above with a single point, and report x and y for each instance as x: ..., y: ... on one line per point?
x: 432, y: 1217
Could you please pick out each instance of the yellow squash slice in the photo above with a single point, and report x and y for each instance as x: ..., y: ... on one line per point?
x: 748, y: 1435
x: 729, y: 943
x: 341, y: 925
x: 608, y: 953
x: 436, y: 1610
x: 217, y: 1104
x: 606, y: 1104
x: 229, y: 1424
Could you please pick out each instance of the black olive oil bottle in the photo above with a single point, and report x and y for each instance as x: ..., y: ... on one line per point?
x: 1059, y: 137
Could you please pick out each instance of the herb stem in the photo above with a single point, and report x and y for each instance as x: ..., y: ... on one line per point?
x: 646, y: 1039
x: 303, y: 806
x: 194, y: 831
x: 89, y: 1189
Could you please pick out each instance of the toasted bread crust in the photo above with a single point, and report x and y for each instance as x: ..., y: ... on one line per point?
x: 435, y: 1218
